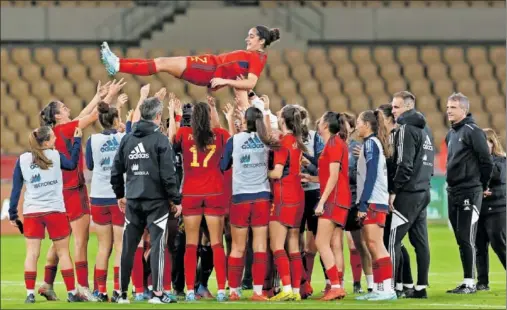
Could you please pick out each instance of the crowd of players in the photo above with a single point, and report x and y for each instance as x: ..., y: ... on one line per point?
x: 279, y: 192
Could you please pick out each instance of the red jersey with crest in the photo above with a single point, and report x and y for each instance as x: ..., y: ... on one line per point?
x: 335, y: 151
x: 287, y: 190
x: 64, y: 134
x: 201, y: 170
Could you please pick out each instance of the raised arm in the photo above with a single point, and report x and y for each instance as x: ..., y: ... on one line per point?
x: 102, y: 91
x: 17, y: 186
x: 71, y: 164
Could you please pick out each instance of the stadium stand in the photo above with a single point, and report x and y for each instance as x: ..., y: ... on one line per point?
x: 69, y: 3
x: 391, y: 4
x: 350, y: 78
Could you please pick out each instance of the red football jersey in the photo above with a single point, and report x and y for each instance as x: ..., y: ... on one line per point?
x: 201, y: 170
x: 335, y: 151
x: 64, y: 134
x: 288, y: 188
x: 231, y: 65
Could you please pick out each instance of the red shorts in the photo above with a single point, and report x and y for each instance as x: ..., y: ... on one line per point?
x: 200, y: 69
x: 77, y: 202
x: 252, y: 213
x: 104, y: 215
x: 289, y: 215
x: 375, y: 217
x: 56, y: 223
x: 203, y: 205
x: 335, y: 214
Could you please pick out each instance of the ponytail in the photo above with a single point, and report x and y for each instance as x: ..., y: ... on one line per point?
x: 107, y: 115
x: 292, y: 118
x: 35, y: 139
x: 337, y: 123
x: 377, y: 123
x: 201, y: 126
x: 255, y: 123
x: 47, y: 115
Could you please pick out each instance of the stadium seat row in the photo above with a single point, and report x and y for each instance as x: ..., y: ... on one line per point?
x: 392, y: 4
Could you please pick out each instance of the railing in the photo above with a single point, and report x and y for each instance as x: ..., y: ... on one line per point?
x: 298, y: 24
x: 132, y: 22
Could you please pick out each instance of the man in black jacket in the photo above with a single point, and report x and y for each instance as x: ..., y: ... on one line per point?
x: 469, y: 167
x: 410, y: 192
x: 147, y: 159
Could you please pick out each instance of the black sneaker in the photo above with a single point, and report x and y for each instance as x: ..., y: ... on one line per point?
x: 102, y: 297
x: 162, y: 299
x: 30, y: 299
x: 463, y: 289
x: 400, y: 294
x: 418, y: 294
x: 408, y: 292
x: 115, y: 296
x: 370, y: 290
x: 482, y: 287
x: 123, y: 298
x: 357, y: 288
x: 74, y: 298
x: 246, y: 286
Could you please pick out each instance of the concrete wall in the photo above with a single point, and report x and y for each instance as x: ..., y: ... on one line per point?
x: 230, y: 24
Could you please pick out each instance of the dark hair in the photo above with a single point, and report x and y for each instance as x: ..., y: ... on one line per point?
x: 377, y: 125
x: 187, y: 115
x: 107, y: 115
x: 292, y: 117
x: 351, y: 119
x: 35, y: 139
x: 387, y: 110
x: 255, y: 123
x: 337, y: 124
x: 305, y: 131
x: 201, y: 126
x: 269, y: 35
x: 47, y: 115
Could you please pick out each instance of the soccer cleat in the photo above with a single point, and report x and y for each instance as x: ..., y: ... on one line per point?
x: 86, y: 294
x: 204, y: 292
x: 327, y: 288
x: 418, y: 294
x: 282, y: 296
x: 102, y: 297
x: 296, y: 297
x: 380, y: 296
x: 74, y: 298
x: 234, y: 296
x: 96, y: 293
x: 221, y: 297
x: 179, y: 294
x: 400, y: 294
x: 334, y: 293
x: 123, y: 299
x: 256, y: 297
x: 109, y: 59
x: 365, y: 296
x: 139, y: 297
x: 357, y: 288
x: 162, y: 299
x: 482, y: 287
x: 172, y: 297
x: 115, y: 296
x: 246, y: 286
x: 463, y: 289
x: 46, y: 290
x: 408, y: 292
x: 306, y: 290
x: 268, y: 293
x: 30, y: 299
x: 190, y: 297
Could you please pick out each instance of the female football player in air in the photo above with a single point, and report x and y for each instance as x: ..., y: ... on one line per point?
x: 288, y: 204
x: 247, y: 152
x: 334, y: 203
x: 43, y: 207
x: 373, y: 200
x: 213, y: 71
x: 57, y: 115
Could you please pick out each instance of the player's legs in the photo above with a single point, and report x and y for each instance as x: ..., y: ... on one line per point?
x: 32, y: 256
x: 105, y: 243
x: 62, y: 250
x: 355, y: 261
x: 277, y: 235
x: 482, y: 253
x: 337, y: 248
x: 50, y: 269
x: 296, y: 263
x: 138, y: 268
x: 192, y: 226
x: 260, y: 259
x: 81, y: 231
x: 365, y: 256
x: 496, y: 231
x: 216, y: 234
x: 236, y: 260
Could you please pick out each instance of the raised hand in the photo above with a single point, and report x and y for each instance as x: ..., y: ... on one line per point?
x: 115, y: 87
x: 161, y: 94
x: 121, y: 100
x: 265, y: 98
x: 211, y: 101
x: 130, y: 113
x: 216, y: 82
x: 145, y: 91
x: 228, y: 111
x: 102, y: 90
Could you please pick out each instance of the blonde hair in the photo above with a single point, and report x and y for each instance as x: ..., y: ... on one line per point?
x: 492, y: 137
x: 36, y: 138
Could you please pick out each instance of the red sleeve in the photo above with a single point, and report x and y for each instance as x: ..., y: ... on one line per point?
x: 225, y: 135
x: 67, y: 129
x: 280, y: 156
x: 178, y: 139
x: 257, y: 62
x: 335, y: 151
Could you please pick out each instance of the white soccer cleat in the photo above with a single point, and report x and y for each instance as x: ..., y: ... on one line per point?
x: 109, y: 59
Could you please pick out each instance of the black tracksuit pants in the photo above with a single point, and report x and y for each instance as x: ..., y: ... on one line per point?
x: 490, y: 230
x: 152, y: 214
x: 409, y: 216
x: 404, y: 270
x: 464, y: 209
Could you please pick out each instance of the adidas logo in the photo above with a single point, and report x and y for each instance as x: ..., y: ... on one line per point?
x: 427, y: 144
x: 245, y: 159
x: 134, y: 167
x: 110, y: 145
x: 425, y: 157
x: 467, y: 208
x: 35, y: 178
x: 253, y: 143
x: 139, y: 152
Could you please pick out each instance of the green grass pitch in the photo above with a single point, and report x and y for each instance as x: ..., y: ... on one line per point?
x: 445, y: 273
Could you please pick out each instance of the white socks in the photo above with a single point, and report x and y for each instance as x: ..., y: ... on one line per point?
x: 369, y: 281
x: 469, y: 282
x: 287, y: 288
x: 388, y: 285
x: 399, y: 286
x: 408, y: 285
x: 190, y: 292
x: 28, y: 292
x: 295, y: 290
x: 257, y: 289
x: 420, y: 287
x: 221, y: 292
x: 335, y: 286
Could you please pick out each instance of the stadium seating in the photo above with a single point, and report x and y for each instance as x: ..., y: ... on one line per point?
x: 351, y: 78
x: 391, y: 4
x: 68, y: 3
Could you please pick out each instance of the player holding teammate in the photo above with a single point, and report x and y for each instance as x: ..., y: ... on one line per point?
x: 43, y: 206
x: 288, y: 204
x: 213, y: 71
x: 373, y: 200
x: 334, y: 203
x: 203, y: 187
x: 247, y: 152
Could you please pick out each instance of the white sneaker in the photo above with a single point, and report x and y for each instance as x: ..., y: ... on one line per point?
x: 86, y: 294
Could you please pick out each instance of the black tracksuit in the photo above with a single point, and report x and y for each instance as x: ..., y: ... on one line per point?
x: 469, y: 167
x: 413, y: 156
x: 491, y: 227
x: 147, y: 159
